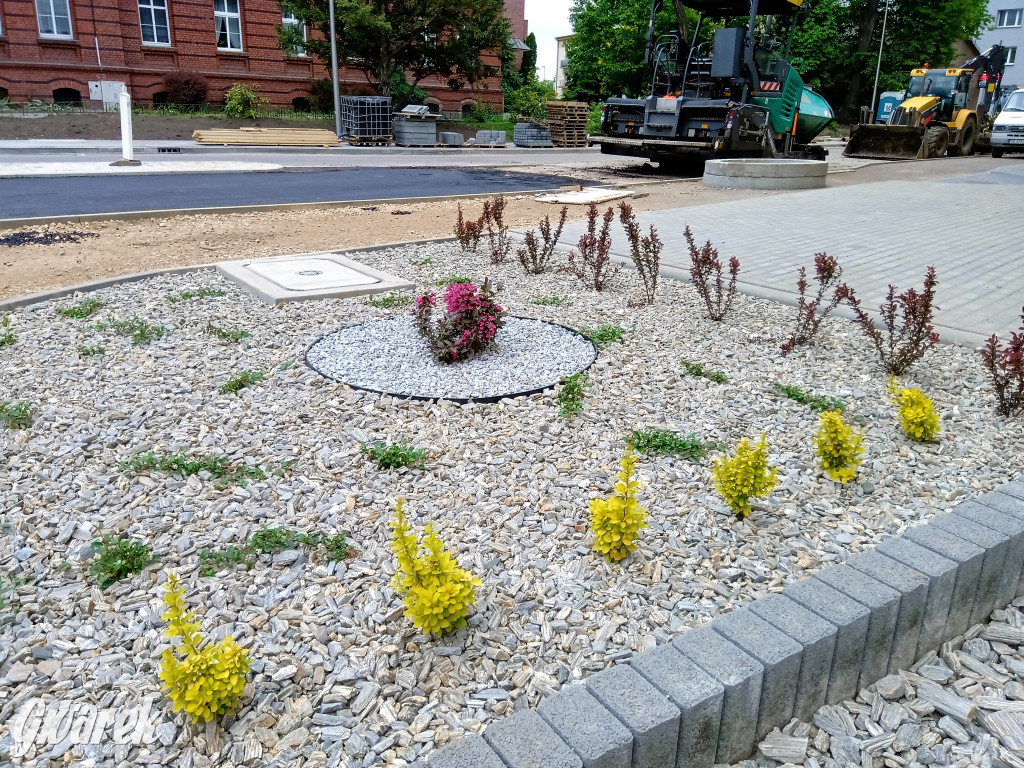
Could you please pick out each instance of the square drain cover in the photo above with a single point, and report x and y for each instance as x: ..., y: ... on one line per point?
x: 310, y: 276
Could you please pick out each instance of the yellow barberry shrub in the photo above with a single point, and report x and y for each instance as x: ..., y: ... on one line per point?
x: 205, y: 680
x: 745, y: 476
x: 918, y: 418
x: 838, y: 447
x: 618, y: 519
x: 437, y: 593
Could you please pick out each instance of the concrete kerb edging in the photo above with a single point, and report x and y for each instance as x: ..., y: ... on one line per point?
x: 94, y: 285
x: 710, y: 695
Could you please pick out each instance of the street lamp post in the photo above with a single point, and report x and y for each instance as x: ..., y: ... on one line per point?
x: 334, y: 70
x: 878, y: 68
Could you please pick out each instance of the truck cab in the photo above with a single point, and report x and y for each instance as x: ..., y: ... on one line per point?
x: 1008, y: 128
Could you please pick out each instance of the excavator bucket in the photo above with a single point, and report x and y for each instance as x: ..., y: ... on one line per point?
x: 887, y: 142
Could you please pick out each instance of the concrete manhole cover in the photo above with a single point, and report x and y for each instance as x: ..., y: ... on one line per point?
x: 310, y: 276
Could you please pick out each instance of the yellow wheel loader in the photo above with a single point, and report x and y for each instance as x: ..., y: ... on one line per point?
x: 934, y: 119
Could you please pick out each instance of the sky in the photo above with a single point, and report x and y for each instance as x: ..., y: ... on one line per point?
x: 548, y: 19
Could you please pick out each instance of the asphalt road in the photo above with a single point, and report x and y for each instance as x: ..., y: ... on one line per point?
x: 63, y: 196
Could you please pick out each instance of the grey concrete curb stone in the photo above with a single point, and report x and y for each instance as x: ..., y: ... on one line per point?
x: 884, y: 604
x: 851, y: 621
x: 941, y: 574
x: 698, y: 696
x: 1012, y: 582
x: 524, y: 740
x: 471, y: 751
x: 740, y: 674
x: 777, y: 653
x: 818, y: 639
x: 913, y: 589
x: 995, y: 545
x: 594, y: 734
x: 644, y: 710
x: 969, y: 560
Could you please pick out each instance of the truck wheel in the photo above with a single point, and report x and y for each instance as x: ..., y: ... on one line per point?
x: 965, y: 141
x: 997, y: 153
x: 937, y: 140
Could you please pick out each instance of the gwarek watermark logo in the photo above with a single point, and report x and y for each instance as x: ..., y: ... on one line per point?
x: 45, y: 725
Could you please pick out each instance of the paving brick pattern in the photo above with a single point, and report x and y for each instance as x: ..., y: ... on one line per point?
x: 881, y: 233
x: 707, y: 697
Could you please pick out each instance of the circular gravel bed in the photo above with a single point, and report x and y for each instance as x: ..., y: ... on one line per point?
x: 390, y: 357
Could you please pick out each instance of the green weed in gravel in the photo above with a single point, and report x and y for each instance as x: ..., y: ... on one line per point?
x: 7, y: 587
x: 220, y: 467
x: 665, y: 441
x: 817, y: 403
x: 240, y: 381
x: 394, y: 456
x: 231, y: 335
x: 17, y: 414
x: 270, y: 541
x: 698, y: 369
x: 7, y: 336
x: 393, y: 301
x: 82, y: 309
x: 199, y: 293
x: 424, y: 262
x: 604, y: 334
x: 550, y: 301
x: 118, y: 558
x: 453, y: 279
x: 137, y: 328
x: 570, y: 396
x: 91, y: 350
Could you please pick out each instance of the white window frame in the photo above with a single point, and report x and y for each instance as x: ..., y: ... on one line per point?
x: 1003, y: 16
x: 290, y: 20
x: 1011, y: 55
x: 153, y: 6
x: 53, y: 16
x: 228, y: 16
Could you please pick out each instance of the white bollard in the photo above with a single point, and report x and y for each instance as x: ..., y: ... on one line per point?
x: 127, y: 151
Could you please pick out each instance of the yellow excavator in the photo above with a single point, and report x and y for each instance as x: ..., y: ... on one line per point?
x: 935, y: 118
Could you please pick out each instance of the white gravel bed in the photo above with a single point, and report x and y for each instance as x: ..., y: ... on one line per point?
x: 339, y: 676
x: 390, y: 356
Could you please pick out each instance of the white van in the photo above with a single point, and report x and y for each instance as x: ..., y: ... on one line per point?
x: 1008, y: 128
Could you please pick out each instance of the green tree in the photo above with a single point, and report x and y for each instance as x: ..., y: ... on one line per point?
x: 837, y: 44
x: 424, y: 38
x: 606, y: 55
x: 528, y: 69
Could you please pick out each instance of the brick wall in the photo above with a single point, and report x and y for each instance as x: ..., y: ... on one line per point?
x: 32, y: 67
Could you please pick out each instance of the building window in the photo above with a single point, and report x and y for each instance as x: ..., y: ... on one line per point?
x: 1011, y: 54
x: 229, y: 24
x: 153, y: 17
x: 289, y: 20
x: 1010, y: 18
x: 54, y: 18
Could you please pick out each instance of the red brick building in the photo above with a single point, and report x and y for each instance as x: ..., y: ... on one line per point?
x: 65, y: 50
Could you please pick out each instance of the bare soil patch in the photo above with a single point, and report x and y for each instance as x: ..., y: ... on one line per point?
x: 133, y: 246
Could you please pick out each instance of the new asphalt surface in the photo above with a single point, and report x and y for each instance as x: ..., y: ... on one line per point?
x: 64, y: 196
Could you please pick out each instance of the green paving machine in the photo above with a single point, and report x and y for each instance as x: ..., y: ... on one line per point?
x: 734, y: 95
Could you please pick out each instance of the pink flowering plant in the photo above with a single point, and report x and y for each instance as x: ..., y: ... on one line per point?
x: 468, y: 326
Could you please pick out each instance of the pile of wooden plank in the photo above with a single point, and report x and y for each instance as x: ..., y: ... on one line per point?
x: 567, y: 122
x: 271, y: 137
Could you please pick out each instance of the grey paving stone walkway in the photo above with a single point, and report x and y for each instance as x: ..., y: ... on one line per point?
x: 881, y: 233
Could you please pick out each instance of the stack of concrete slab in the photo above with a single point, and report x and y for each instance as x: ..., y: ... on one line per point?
x: 531, y: 135
x: 490, y: 138
x: 714, y: 692
x: 416, y: 128
x: 451, y: 139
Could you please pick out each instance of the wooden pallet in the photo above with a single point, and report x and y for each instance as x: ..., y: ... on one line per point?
x: 273, y: 137
x: 368, y: 141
